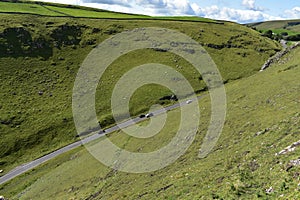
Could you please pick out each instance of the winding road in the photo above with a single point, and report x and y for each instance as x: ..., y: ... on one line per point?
x: 28, y: 166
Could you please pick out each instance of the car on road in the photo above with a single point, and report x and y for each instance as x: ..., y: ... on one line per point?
x: 149, y: 115
x: 189, y: 101
x: 142, y: 116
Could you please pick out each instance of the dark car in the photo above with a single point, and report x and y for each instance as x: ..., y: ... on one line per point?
x: 149, y: 115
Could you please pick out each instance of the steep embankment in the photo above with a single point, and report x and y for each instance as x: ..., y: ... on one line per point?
x: 40, y: 56
x: 248, y: 162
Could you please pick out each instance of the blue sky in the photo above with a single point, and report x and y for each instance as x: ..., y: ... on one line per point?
x: 242, y: 11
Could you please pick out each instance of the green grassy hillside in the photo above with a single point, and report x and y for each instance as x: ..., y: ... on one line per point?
x: 289, y: 25
x: 59, y: 10
x: 40, y: 56
x: 285, y: 29
x: 263, y: 118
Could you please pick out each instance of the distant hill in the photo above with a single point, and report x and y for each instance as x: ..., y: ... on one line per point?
x: 288, y: 25
x: 284, y: 29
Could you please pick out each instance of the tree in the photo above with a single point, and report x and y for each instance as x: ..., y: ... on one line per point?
x: 268, y: 34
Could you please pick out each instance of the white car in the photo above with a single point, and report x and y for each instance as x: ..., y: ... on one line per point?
x: 189, y: 101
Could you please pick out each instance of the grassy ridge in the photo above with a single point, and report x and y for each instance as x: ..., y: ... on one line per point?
x: 52, y: 9
x: 59, y: 10
x: 79, y: 12
x: 25, y: 8
x: 242, y: 165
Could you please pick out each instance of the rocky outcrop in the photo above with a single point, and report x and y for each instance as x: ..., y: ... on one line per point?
x: 221, y: 46
x: 67, y: 35
x: 170, y: 97
x: 295, y: 162
x: 18, y: 41
x: 278, y: 56
x: 290, y: 148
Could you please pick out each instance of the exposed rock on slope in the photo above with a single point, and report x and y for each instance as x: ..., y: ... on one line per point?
x: 279, y: 55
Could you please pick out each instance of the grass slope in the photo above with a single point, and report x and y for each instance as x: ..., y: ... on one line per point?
x: 59, y: 10
x: 242, y: 166
x: 292, y: 27
x: 52, y: 9
x: 40, y: 56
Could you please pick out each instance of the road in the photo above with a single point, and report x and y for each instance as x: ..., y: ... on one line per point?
x: 28, y: 166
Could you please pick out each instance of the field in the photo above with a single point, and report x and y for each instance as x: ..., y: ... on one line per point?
x: 243, y: 164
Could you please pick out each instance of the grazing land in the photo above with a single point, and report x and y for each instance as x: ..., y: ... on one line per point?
x: 42, y: 47
x: 243, y: 164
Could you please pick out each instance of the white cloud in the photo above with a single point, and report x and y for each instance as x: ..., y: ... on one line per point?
x: 147, y: 7
x: 182, y: 7
x: 151, y: 3
x: 251, y: 5
x: 166, y: 7
x: 236, y: 15
x: 116, y: 8
x: 293, y: 13
x: 125, y: 3
x: 72, y: 2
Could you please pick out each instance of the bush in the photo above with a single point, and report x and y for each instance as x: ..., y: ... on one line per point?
x: 268, y: 34
x: 294, y: 37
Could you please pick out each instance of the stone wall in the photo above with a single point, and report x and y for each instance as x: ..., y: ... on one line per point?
x: 278, y: 56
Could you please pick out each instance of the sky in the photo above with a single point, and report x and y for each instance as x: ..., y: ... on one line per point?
x: 241, y: 11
